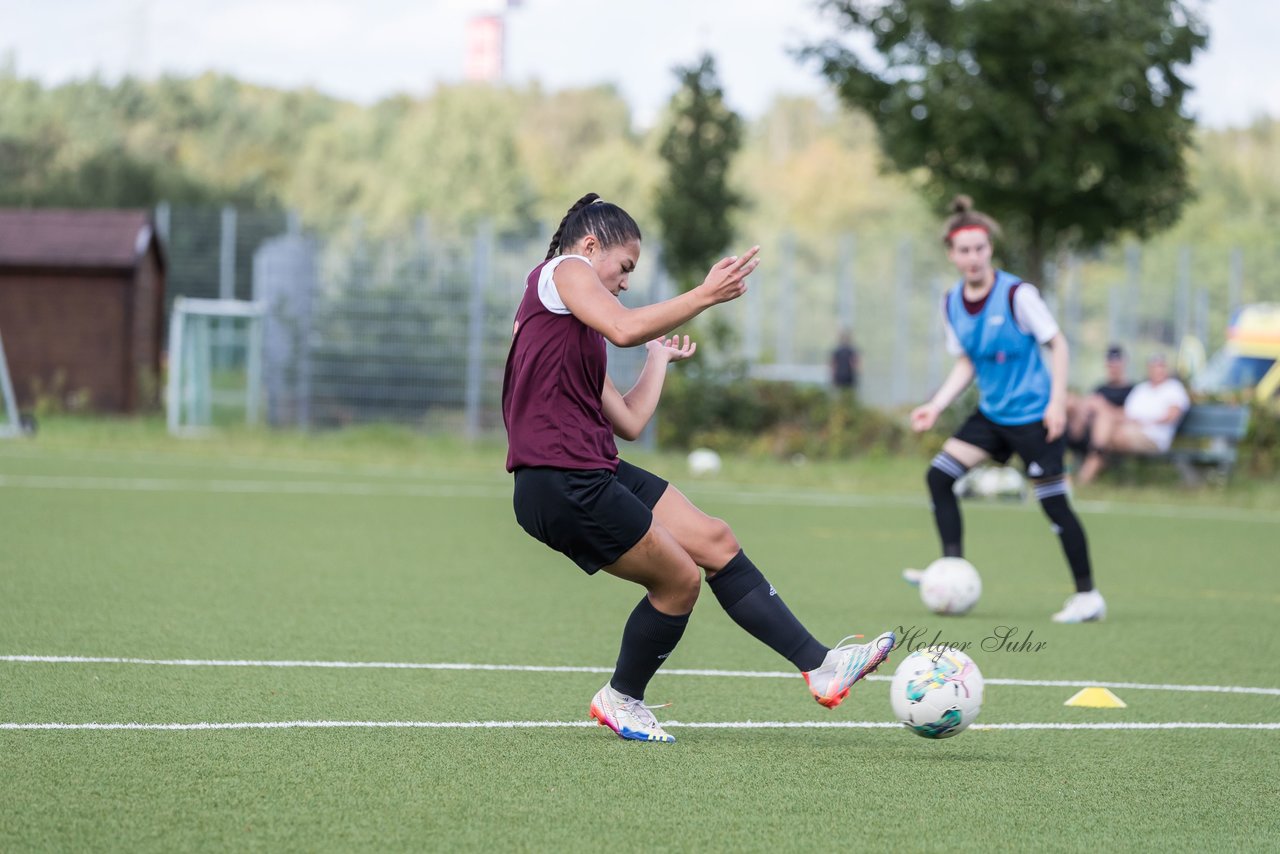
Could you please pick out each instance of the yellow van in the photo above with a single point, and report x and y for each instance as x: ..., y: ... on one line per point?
x: 1249, y: 363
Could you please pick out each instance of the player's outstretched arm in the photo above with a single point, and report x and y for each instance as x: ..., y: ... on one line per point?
x: 630, y: 412
x: 926, y: 415
x: 591, y: 302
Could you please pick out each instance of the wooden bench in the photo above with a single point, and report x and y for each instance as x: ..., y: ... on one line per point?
x: 1207, y: 436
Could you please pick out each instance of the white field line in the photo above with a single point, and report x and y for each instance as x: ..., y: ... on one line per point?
x: 497, y: 490
x: 535, y: 668
x: 260, y: 464
x: 720, y: 491
x: 259, y: 487
x: 726, y: 491
x: 243, y: 725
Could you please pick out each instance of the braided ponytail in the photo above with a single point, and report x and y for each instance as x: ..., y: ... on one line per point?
x: 591, y: 214
x: 554, y: 249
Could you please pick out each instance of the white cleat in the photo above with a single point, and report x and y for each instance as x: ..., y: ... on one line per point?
x: 628, y: 717
x: 1082, y: 608
x: 844, y: 665
x: 912, y: 576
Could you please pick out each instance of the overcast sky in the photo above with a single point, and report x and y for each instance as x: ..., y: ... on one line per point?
x: 367, y: 50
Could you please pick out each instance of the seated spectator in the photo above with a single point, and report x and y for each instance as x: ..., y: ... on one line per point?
x: 1146, y: 426
x: 1110, y: 395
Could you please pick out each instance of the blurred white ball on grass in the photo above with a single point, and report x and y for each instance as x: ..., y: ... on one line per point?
x: 703, y: 462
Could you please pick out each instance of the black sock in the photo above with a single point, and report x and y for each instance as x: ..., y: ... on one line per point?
x: 1065, y: 523
x: 750, y: 600
x: 941, y: 478
x: 647, y: 639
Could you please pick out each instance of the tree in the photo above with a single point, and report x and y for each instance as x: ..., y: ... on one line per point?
x: 1062, y: 118
x: 696, y: 203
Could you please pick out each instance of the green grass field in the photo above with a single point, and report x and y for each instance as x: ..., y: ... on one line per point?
x: 377, y: 547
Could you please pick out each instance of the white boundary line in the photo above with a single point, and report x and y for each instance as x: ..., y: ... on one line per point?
x: 533, y: 668
x: 723, y: 490
x: 257, y: 487
x: 334, y: 468
x: 460, y: 490
x: 249, y: 725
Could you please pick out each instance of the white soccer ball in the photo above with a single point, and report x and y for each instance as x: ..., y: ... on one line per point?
x: 950, y: 585
x: 937, y: 693
x: 703, y: 461
x: 991, y: 482
x: 986, y: 482
x: 1011, y: 483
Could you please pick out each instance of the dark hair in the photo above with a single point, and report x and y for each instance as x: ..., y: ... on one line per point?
x: 592, y: 215
x: 964, y: 216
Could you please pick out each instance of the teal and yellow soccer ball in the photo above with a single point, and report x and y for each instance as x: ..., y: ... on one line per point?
x: 937, y: 693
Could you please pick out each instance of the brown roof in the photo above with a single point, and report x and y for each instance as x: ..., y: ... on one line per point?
x: 111, y: 239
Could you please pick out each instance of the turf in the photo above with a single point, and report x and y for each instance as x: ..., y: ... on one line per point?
x: 119, y: 542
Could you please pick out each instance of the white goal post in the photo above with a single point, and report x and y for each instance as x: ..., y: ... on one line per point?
x: 11, y: 423
x: 204, y: 334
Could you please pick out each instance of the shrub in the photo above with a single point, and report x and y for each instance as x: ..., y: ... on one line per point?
x: 1260, y: 450
x: 730, y: 412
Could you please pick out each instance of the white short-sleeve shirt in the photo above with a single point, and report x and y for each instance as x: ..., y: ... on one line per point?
x: 547, y: 291
x: 1147, y: 403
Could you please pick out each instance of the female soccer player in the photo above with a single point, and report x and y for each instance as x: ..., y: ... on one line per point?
x: 574, y: 494
x: 995, y: 327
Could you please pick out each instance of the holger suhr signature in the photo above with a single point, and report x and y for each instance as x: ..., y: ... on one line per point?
x: 1000, y: 639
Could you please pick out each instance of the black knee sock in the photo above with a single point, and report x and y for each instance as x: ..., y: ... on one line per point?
x: 941, y: 478
x: 647, y: 639
x: 750, y: 600
x: 1065, y: 523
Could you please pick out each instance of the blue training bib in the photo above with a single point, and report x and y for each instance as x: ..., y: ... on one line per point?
x: 1013, y: 383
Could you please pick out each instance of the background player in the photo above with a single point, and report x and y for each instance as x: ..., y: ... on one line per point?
x: 995, y: 327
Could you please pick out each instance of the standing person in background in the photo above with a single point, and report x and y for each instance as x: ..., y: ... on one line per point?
x: 995, y: 327
x: 1108, y: 397
x: 1147, y: 423
x: 574, y: 494
x: 846, y: 363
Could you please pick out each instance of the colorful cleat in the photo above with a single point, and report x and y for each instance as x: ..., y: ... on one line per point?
x: 912, y: 576
x: 1083, y: 608
x: 845, y: 665
x: 629, y: 718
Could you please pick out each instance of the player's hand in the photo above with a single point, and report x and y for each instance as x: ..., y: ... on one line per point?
x: 728, y: 278
x: 671, y: 349
x: 1055, y: 421
x: 924, y: 417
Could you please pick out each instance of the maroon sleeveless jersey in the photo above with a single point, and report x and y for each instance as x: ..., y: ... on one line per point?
x: 551, y: 390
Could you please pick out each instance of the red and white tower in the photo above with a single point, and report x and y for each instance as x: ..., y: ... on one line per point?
x: 486, y: 45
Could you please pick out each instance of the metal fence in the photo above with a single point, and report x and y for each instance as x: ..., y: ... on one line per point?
x: 414, y: 328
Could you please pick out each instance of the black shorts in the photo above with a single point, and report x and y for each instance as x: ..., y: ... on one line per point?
x: 1043, y: 459
x: 593, y: 516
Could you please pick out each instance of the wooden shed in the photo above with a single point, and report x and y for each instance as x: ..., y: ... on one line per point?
x: 82, y: 306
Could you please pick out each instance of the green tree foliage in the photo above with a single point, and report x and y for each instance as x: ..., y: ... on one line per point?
x: 696, y: 203
x: 452, y: 157
x: 240, y: 139
x: 455, y: 156
x: 581, y: 140
x: 206, y: 140
x: 803, y: 167
x: 806, y: 168
x: 517, y: 157
x: 1237, y: 172
x: 1063, y: 118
